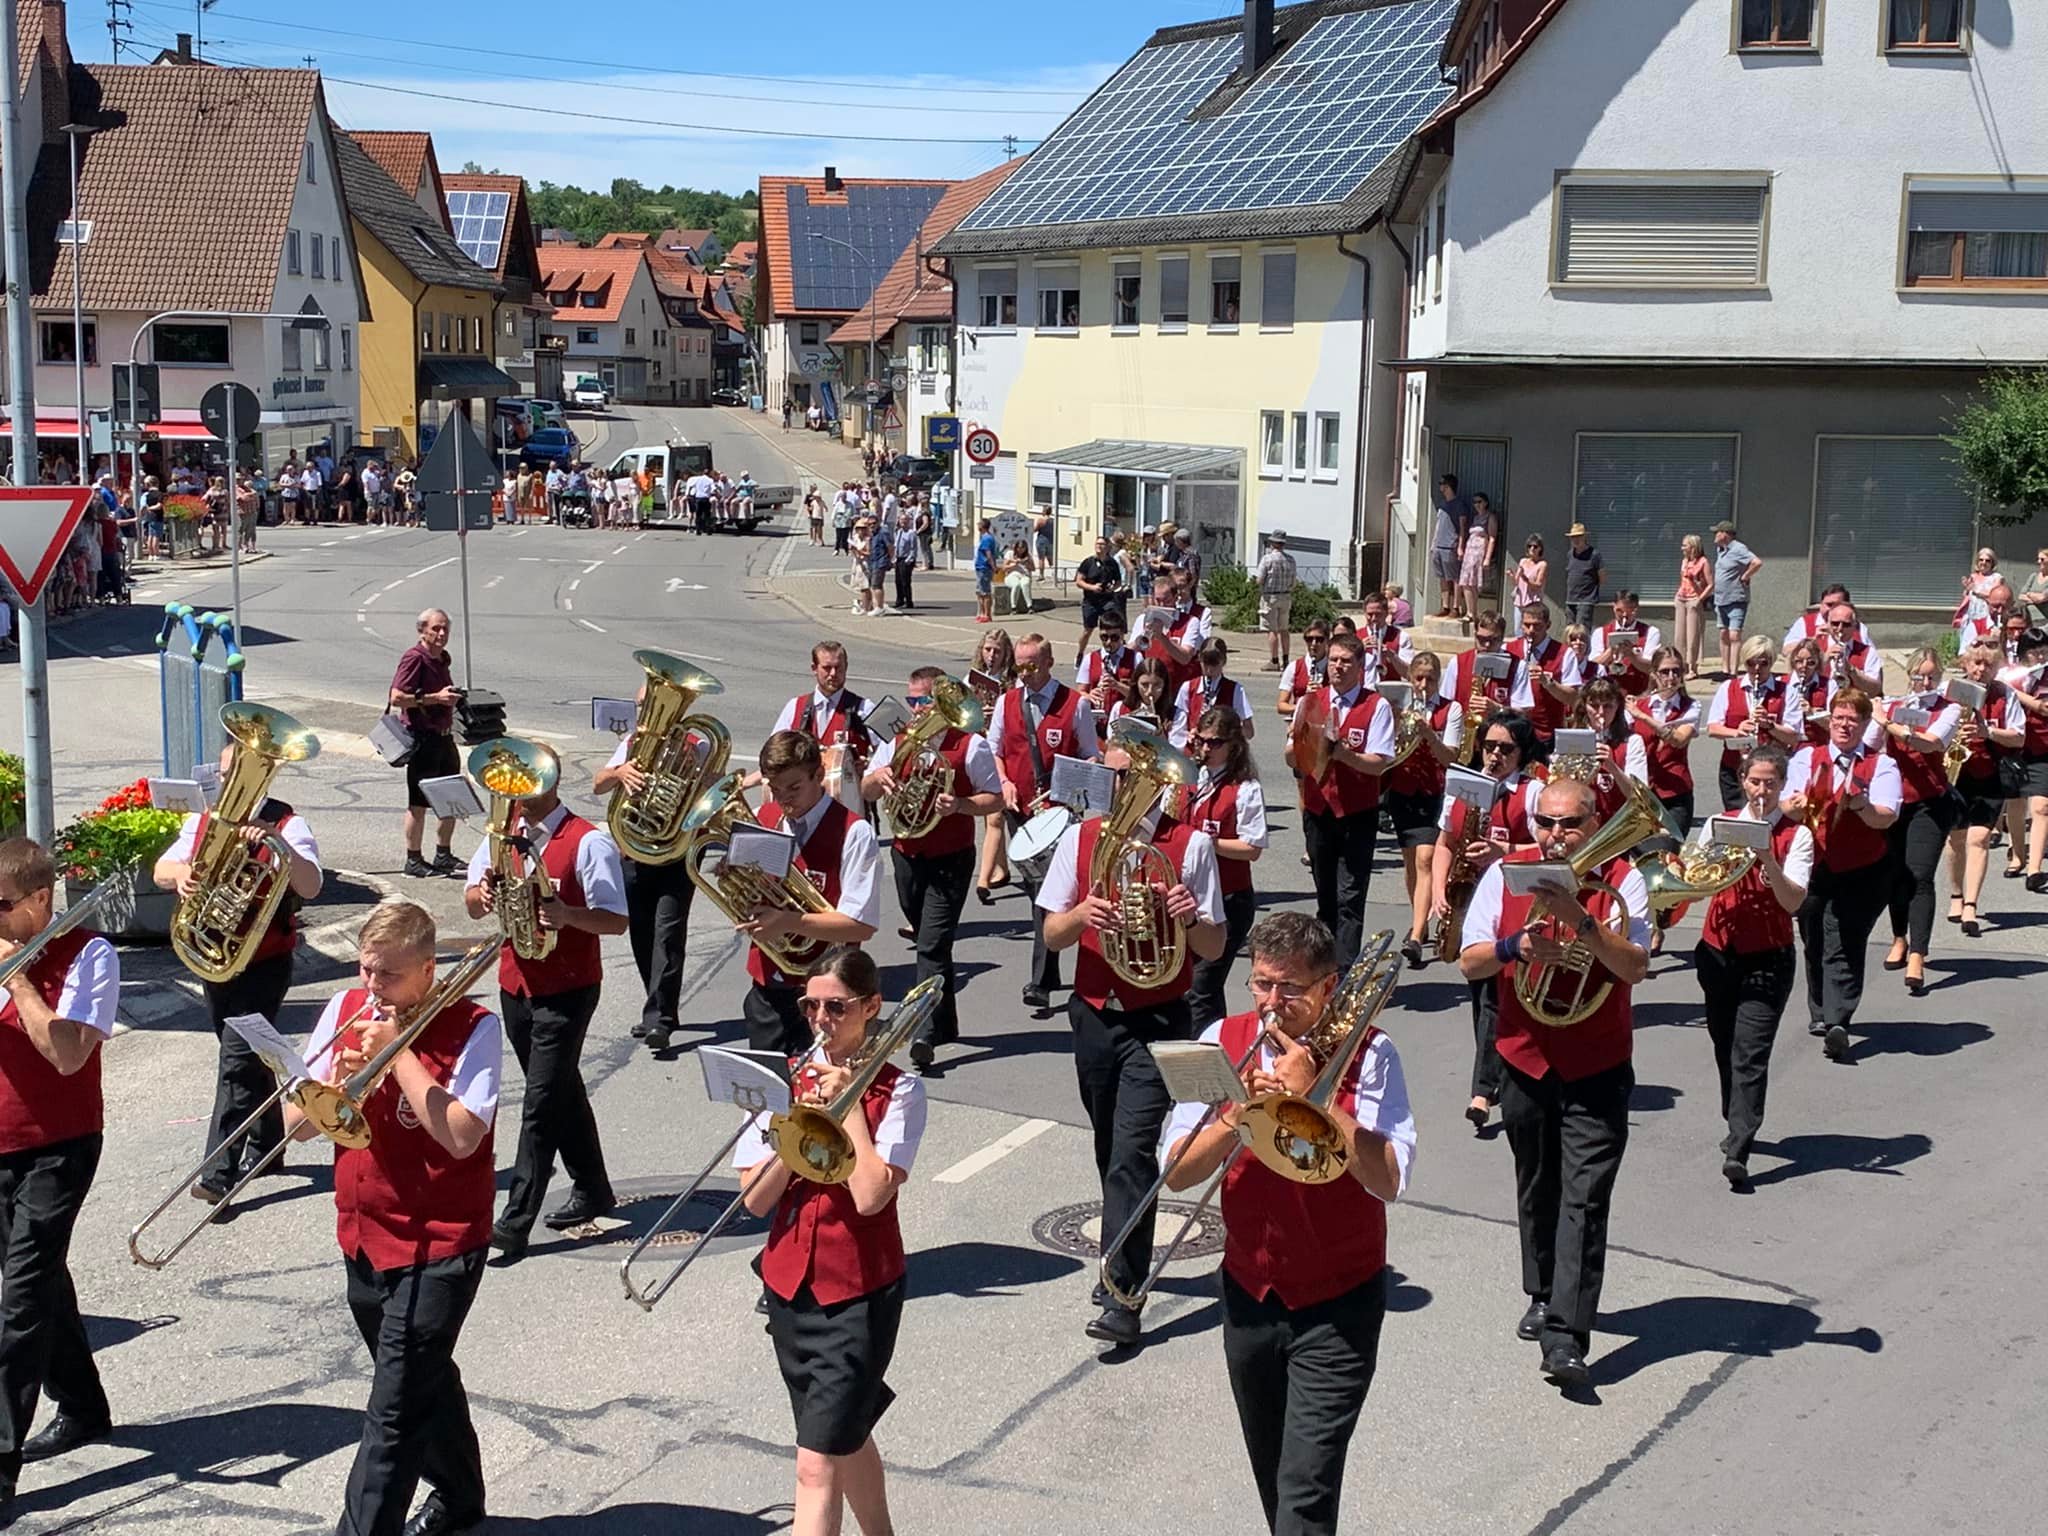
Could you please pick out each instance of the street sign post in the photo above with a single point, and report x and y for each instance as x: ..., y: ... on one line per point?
x: 983, y: 445
x: 457, y: 454
x: 941, y: 435
x: 981, y: 471
x: 223, y: 409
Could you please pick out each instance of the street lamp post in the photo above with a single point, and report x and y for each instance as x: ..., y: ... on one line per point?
x: 74, y: 132
x: 867, y: 415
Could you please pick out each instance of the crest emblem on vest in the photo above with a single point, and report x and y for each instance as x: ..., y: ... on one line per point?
x: 816, y: 877
x: 407, y: 1115
x: 1054, y: 735
x: 1354, y: 738
x: 1212, y: 826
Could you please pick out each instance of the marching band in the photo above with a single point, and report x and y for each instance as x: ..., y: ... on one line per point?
x: 1544, y: 872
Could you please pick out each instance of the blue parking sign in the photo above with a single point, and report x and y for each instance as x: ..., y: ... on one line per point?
x: 941, y: 434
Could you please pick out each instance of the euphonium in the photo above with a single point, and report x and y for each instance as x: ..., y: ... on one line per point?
x: 1563, y: 993
x: 1294, y: 1135
x: 1129, y: 871
x: 647, y: 823
x: 739, y: 889
x: 216, y: 930
x: 922, y: 771
x: 512, y: 770
x: 1410, y: 731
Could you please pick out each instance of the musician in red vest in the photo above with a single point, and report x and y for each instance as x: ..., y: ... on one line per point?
x: 934, y: 871
x: 1564, y: 1092
x: 1115, y: 1022
x: 833, y: 1267
x: 837, y: 852
x: 1749, y: 711
x: 1848, y: 659
x: 1745, y: 958
x: 1178, y: 638
x: 1848, y: 792
x: 58, y: 1011
x: 548, y: 1005
x: 1304, y: 1275
x: 832, y: 715
x: 413, y: 1214
x: 1227, y: 802
x: 1306, y: 673
x: 1812, y: 624
x: 1034, y: 723
x: 1387, y: 650
x: 1916, y: 731
x: 1340, y: 806
x: 243, y: 1081
x: 1106, y: 671
x: 1210, y: 689
x: 1625, y: 646
x: 1547, y: 677
x: 1414, y: 794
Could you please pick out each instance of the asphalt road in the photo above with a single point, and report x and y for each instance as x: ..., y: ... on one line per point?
x: 1844, y: 1349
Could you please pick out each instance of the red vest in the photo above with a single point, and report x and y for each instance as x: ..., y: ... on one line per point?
x: 1922, y: 775
x: 1094, y: 981
x: 1746, y: 919
x: 953, y: 833
x: 1496, y: 691
x: 2036, y: 744
x: 1423, y: 773
x: 576, y: 960
x: 40, y: 1106
x: 1191, y: 703
x: 1123, y: 669
x: 1302, y: 678
x: 1608, y: 778
x: 1670, y: 771
x: 820, y: 859
x: 842, y: 727
x: 1846, y: 842
x: 1735, y: 713
x: 1177, y: 631
x: 1055, y: 738
x: 1343, y: 791
x: 403, y: 1199
x: 1629, y: 680
x: 1982, y: 762
x: 282, y: 936
x: 1304, y: 1243
x: 1214, y: 811
x: 1603, y: 1041
x: 818, y: 1235
x: 1546, y: 711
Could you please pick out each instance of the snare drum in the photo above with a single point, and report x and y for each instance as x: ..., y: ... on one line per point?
x: 1041, y: 834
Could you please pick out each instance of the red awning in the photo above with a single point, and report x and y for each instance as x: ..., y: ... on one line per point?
x: 183, y: 431
x: 57, y: 426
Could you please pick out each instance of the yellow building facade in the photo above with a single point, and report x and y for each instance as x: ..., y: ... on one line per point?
x: 411, y: 326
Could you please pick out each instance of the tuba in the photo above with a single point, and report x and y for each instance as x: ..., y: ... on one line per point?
x: 513, y: 769
x: 1564, y: 993
x: 215, y: 930
x: 647, y: 823
x: 922, y: 771
x: 739, y: 889
x: 1131, y: 873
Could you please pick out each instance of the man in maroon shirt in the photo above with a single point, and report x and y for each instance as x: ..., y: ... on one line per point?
x: 423, y: 688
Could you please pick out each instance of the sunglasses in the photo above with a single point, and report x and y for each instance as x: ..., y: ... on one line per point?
x: 1557, y: 823
x: 831, y: 1007
x: 1671, y: 671
x: 1318, y: 639
x: 1490, y: 748
x: 1205, y: 741
x: 918, y: 700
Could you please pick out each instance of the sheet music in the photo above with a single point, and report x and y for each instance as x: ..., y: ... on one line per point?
x: 983, y: 683
x: 1086, y: 787
x: 177, y: 795
x: 1968, y: 694
x: 885, y: 717
x: 1197, y: 1072
x: 1576, y: 743
x: 453, y: 796
x: 1912, y: 717
x: 1494, y: 666
x: 1399, y: 695
x: 751, y: 1080
x: 278, y: 1053
x: 1738, y: 832
x: 615, y: 715
x: 1478, y: 790
x: 1528, y: 879
x: 768, y: 849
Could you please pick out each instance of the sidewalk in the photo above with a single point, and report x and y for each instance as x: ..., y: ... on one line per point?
x: 828, y: 460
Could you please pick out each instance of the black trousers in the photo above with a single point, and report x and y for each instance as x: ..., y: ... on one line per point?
x: 1045, y: 963
x: 775, y: 1022
x: 1746, y: 997
x: 1486, y: 1062
x: 1834, y: 930
x: 1731, y: 789
x: 658, y: 898
x: 1127, y: 1105
x: 1300, y: 1379
x: 840, y: 535
x: 42, y: 1338
x: 904, y: 568
x: 1206, y: 1001
x: 1340, y: 861
x: 1917, y: 840
x: 1567, y: 1138
x: 932, y: 890
x: 554, y: 1116
x: 244, y: 1081
x: 1679, y: 808
x: 700, y: 513
x: 417, y: 1423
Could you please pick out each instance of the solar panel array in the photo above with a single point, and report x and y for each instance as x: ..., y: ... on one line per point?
x: 478, y: 219
x: 1314, y: 125
x: 878, y: 221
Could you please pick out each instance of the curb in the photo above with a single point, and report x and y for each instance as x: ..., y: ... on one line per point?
x: 832, y: 476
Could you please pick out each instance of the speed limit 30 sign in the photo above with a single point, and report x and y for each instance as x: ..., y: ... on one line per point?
x: 982, y: 445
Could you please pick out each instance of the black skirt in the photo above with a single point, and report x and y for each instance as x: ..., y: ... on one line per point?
x: 1983, y: 801
x: 833, y: 1360
x: 1414, y: 817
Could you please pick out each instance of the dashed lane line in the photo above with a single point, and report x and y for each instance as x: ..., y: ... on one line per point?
x: 994, y: 1152
x: 568, y: 605
x: 622, y: 549
x: 597, y: 629
x: 576, y: 583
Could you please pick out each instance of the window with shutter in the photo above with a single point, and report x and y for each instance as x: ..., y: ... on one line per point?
x: 1639, y: 496
x: 1276, y: 290
x: 1973, y: 236
x: 1615, y: 233
x: 996, y: 288
x: 1892, y: 520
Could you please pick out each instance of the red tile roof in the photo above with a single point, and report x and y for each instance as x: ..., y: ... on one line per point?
x: 625, y: 240
x: 404, y: 156
x: 909, y: 290
x: 518, y: 219
x: 774, y: 257
x: 575, y: 271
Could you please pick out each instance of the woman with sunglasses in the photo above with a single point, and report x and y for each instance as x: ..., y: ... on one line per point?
x: 1413, y: 795
x: 1667, y: 719
x: 1226, y: 802
x: 1809, y: 691
x: 995, y: 657
x: 833, y: 1266
x: 1621, y: 749
x: 1469, y: 840
x: 1980, y: 794
x: 1917, y: 728
x: 1748, y: 711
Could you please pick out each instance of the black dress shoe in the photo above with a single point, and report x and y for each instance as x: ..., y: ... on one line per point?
x: 210, y: 1191
x: 64, y: 1433
x: 922, y: 1054
x: 2037, y: 883
x: 1412, y: 953
x: 1530, y: 1328
x: 639, y: 1030
x: 1564, y: 1365
x: 578, y: 1210
x: 511, y: 1245
x: 433, y: 1519
x: 1815, y: 1028
x: 1115, y: 1324
x: 1736, y: 1172
x: 1036, y: 997
x: 1835, y: 1043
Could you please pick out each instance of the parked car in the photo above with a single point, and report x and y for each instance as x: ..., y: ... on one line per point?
x: 727, y: 397
x: 588, y: 390
x: 919, y: 473
x: 548, y: 446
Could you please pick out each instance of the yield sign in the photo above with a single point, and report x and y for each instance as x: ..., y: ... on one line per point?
x: 36, y: 523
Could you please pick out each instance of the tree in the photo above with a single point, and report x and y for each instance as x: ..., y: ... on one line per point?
x: 2001, y: 444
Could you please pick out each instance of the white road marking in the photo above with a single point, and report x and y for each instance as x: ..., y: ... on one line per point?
x: 677, y: 584
x: 345, y: 538
x: 781, y: 561
x: 694, y: 656
x: 520, y: 533
x: 994, y: 1152
x: 373, y: 597
x: 568, y: 605
x: 638, y: 537
x: 620, y: 550
x: 408, y: 576
x: 393, y: 586
x: 529, y: 559
x: 576, y: 583
x: 492, y: 582
x: 591, y: 566
x: 593, y: 628
x: 362, y: 617
x: 324, y: 543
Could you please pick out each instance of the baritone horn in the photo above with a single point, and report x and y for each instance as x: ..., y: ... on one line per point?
x: 216, y: 930
x: 647, y: 823
x: 1130, y: 872
x: 923, y: 772
x: 737, y: 889
x: 513, y: 769
x: 1563, y: 993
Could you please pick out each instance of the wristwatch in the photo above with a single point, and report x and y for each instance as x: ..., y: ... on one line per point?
x: 1586, y: 925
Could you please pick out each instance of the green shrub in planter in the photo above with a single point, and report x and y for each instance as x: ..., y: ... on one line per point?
x: 126, y: 830
x: 13, y: 794
x: 1234, y: 593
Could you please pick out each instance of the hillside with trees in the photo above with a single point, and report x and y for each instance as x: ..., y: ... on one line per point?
x: 628, y: 205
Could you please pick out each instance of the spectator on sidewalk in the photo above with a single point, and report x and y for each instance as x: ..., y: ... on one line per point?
x: 927, y: 524
x: 1016, y: 574
x: 246, y: 503
x: 1277, y: 578
x: 1584, y: 575
x: 814, y: 505
x: 423, y: 688
x: 906, y: 561
x: 881, y: 555
x: 844, y: 506
x: 290, y: 492
x: 312, y: 485
x: 788, y: 412
x: 1042, y: 522
x: 985, y: 574
x: 152, y: 518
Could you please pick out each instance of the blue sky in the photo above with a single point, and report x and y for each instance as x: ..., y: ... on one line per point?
x: 960, y: 74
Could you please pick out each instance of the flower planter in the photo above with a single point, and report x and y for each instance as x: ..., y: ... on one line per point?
x: 135, y: 913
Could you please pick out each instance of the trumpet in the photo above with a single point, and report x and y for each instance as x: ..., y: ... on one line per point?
x: 335, y: 1110
x: 808, y: 1139
x: 512, y: 770
x: 647, y: 823
x: 922, y: 771
x: 1563, y: 993
x: 738, y: 890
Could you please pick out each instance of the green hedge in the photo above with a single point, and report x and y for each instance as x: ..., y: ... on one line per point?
x: 1232, y: 592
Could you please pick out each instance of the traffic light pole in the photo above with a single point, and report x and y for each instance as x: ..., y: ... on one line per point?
x: 462, y: 549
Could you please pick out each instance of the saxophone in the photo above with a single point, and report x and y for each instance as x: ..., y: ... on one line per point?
x: 1475, y: 711
x: 512, y: 769
x: 1131, y: 873
x: 923, y: 773
x: 647, y: 823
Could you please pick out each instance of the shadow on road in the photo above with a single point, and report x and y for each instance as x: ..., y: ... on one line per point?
x: 1836, y: 1151
x: 1916, y: 1039
x: 1714, y: 1325
x: 986, y: 1269
x: 1649, y: 1097
x: 638, y: 1519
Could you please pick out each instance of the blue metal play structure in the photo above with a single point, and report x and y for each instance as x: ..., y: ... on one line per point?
x: 194, y: 684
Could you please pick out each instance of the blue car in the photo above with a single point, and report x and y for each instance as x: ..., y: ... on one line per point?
x: 548, y: 446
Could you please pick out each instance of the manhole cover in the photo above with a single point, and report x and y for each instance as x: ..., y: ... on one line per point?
x: 1077, y: 1230
x: 642, y: 1203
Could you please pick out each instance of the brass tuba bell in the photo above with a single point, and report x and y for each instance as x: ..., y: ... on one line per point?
x: 739, y: 889
x: 513, y: 769
x: 1129, y: 871
x: 922, y: 771
x: 647, y: 823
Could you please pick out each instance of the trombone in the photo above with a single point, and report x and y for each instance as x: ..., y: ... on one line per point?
x: 1293, y: 1135
x: 335, y: 1110
x: 808, y: 1140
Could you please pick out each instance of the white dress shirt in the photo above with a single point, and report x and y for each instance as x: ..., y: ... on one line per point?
x: 980, y: 763
x: 896, y: 1139
x: 1062, y: 890
x: 1251, y: 808
x: 1571, y: 674
x: 597, y: 861
x: 859, y: 897
x: 1798, y: 860
x: 1885, y: 787
x: 1085, y: 741
x: 293, y: 830
x: 1482, y: 917
x: 92, y: 988
x: 474, y: 1082
x: 1185, y: 715
x: 1942, y: 716
x: 821, y: 708
x: 1379, y: 730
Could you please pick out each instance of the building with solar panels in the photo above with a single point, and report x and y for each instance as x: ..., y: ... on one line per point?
x: 1174, y: 311
x: 1682, y: 261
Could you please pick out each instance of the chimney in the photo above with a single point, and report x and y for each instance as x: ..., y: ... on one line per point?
x: 1258, y: 35
x: 184, y: 47
x: 832, y: 181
